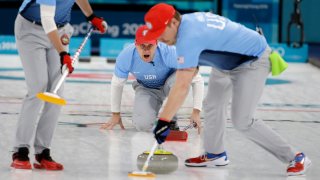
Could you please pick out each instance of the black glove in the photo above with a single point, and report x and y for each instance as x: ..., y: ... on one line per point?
x: 161, y: 131
x: 66, y: 59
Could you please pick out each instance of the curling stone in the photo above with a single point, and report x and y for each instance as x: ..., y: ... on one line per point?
x: 162, y: 162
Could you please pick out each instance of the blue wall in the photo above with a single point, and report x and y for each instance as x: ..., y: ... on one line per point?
x: 251, y: 13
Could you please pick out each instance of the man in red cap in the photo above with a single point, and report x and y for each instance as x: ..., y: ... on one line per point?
x: 239, y: 58
x: 147, y: 61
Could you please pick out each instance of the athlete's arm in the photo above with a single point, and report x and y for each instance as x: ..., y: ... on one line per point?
x: 178, y: 92
x: 47, y: 13
x: 97, y: 22
x: 197, y: 91
x: 85, y: 7
x: 117, y: 85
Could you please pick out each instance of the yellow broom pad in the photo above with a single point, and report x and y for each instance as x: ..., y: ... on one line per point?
x: 51, y: 98
x: 141, y: 174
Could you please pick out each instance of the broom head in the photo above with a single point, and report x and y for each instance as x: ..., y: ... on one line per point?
x: 51, y: 98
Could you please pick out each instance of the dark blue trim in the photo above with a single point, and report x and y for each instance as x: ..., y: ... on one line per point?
x: 27, y: 6
x: 223, y: 60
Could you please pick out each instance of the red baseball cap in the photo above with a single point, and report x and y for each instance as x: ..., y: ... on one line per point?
x: 140, y: 36
x: 157, y: 19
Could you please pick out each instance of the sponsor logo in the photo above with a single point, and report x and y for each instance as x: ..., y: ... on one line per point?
x: 144, y: 32
x: 149, y: 25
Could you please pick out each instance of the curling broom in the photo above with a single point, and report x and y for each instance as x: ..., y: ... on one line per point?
x: 53, y: 97
x: 144, y: 173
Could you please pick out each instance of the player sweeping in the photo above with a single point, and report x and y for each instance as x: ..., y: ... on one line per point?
x: 239, y: 58
x: 153, y: 65
x: 42, y: 32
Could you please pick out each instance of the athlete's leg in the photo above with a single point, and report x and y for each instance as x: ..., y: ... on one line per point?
x: 215, y: 107
x: 31, y: 44
x: 248, y: 82
x: 50, y: 113
x: 147, y: 104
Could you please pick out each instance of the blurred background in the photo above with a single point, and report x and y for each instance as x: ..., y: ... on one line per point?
x: 290, y: 103
x: 291, y: 26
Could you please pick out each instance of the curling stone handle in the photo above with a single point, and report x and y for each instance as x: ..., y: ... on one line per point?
x: 191, y: 125
x: 153, y: 149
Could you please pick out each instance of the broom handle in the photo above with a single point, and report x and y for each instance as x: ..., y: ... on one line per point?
x: 153, y: 149
x: 74, y: 59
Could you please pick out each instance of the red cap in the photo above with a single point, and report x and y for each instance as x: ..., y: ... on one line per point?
x: 157, y: 19
x: 140, y: 36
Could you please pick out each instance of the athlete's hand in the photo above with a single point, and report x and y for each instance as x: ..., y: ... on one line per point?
x: 115, y: 119
x: 195, y: 118
x: 65, y: 59
x: 98, y: 23
x: 161, y: 131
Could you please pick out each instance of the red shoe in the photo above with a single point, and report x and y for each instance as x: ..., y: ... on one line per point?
x: 46, y: 162
x: 299, y: 165
x: 21, y: 160
x: 208, y: 160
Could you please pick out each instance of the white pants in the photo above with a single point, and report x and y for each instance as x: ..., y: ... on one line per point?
x: 41, y: 65
x: 147, y: 103
x: 245, y: 83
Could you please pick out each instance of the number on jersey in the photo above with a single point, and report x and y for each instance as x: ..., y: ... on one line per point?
x: 215, y: 21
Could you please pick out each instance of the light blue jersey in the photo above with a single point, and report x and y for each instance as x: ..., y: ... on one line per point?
x: 151, y: 75
x: 30, y: 9
x: 212, y: 40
